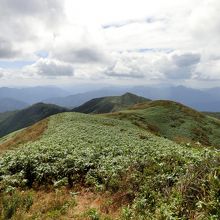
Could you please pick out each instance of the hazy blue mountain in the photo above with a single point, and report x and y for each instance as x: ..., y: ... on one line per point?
x: 80, y: 98
x: 32, y: 95
x: 10, y: 104
x: 202, y: 100
x: 208, y: 105
x: 215, y: 92
x: 177, y: 93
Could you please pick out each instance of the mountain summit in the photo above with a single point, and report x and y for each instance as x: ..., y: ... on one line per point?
x: 110, y: 104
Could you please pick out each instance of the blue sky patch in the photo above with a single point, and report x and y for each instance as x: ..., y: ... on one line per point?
x: 15, y: 64
x: 42, y: 53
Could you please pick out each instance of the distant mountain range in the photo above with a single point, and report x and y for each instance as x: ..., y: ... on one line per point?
x: 32, y: 95
x: 163, y: 117
x: 10, y: 104
x: 72, y: 101
x: 12, y: 121
x: 200, y: 99
x: 19, y: 98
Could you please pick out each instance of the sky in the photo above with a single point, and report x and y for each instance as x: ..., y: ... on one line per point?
x: 119, y: 42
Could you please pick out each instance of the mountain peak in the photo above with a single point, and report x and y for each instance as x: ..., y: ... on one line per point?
x: 129, y: 94
x: 110, y: 103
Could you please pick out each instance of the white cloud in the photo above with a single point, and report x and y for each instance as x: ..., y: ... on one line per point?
x: 132, y: 65
x: 74, y: 53
x: 209, y: 70
x: 1, y: 73
x: 154, y: 65
x: 118, y: 39
x: 28, y: 26
x: 6, y: 49
x: 204, y: 21
x: 187, y: 59
x: 180, y: 66
x: 50, y: 68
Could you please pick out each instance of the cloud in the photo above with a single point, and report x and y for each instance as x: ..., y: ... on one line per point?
x: 1, y: 74
x: 178, y: 65
x: 126, y: 65
x: 27, y: 26
x: 128, y: 22
x: 144, y: 40
x: 154, y: 65
x: 79, y: 55
x: 44, y: 9
x: 208, y: 70
x: 205, y: 21
x: 50, y: 68
x: 126, y: 74
x: 134, y: 75
x: 6, y: 49
x: 133, y: 65
x: 78, y: 44
x: 204, y: 28
x: 185, y: 60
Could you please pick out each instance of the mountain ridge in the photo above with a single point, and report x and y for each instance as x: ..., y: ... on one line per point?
x: 110, y: 103
x: 199, y: 99
x: 174, y: 121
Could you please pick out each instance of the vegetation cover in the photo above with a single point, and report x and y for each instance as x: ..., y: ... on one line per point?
x: 174, y: 121
x: 5, y: 115
x: 213, y: 114
x: 110, y: 104
x: 146, y: 176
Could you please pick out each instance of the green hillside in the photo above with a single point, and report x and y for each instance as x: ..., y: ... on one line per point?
x: 174, y: 121
x: 5, y: 115
x: 213, y: 114
x: 104, y: 168
x: 20, y: 119
x: 110, y: 104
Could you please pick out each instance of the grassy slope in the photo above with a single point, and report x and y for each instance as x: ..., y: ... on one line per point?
x: 5, y: 115
x: 174, y: 121
x: 157, y: 178
x: 110, y: 104
x: 26, y: 117
x: 213, y: 114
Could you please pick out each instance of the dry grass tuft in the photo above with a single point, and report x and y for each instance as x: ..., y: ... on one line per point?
x: 64, y: 203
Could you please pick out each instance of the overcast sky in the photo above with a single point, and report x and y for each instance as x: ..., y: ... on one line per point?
x: 115, y: 41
